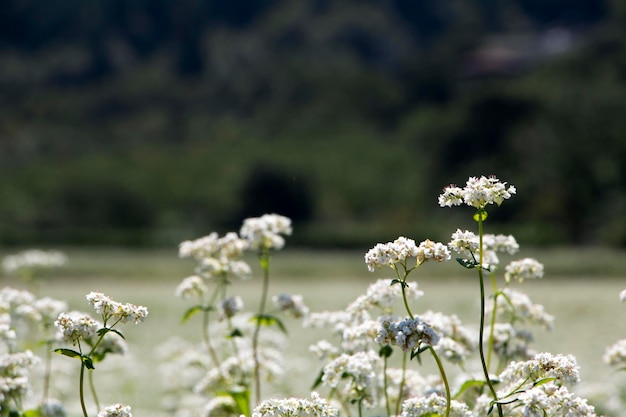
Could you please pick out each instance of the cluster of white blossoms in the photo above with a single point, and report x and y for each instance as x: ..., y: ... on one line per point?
x: 192, y: 287
x: 291, y: 304
x: 465, y: 243
x: 76, y: 326
x: 410, y: 334
x: 477, y: 193
x: 33, y: 258
x: 359, y: 373
x: 118, y: 312
x: 266, y: 232
x: 511, y: 343
x: 117, y: 410
x: 433, y: 405
x: 382, y: 295
x: 217, y: 255
x: 615, y: 355
x: 391, y: 253
x: 14, y: 377
x: 229, y: 306
x: 519, y: 307
x: 456, y: 340
x: 527, y: 268
x: 292, y: 407
x: 432, y: 251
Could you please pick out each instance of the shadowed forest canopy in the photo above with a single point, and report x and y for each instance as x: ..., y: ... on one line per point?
x: 148, y: 122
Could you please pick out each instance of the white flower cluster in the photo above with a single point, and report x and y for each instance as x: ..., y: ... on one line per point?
x: 465, y: 243
x: 457, y: 341
x: 388, y: 254
x: 433, y: 405
x: 14, y: 380
x: 432, y: 251
x: 192, y: 287
x: 229, y: 306
x: 117, y: 410
x: 75, y: 326
x: 527, y: 268
x: 563, y: 368
x: 382, y: 295
x: 118, y: 312
x: 296, y: 407
x: 519, y: 307
x: 359, y: 371
x: 500, y: 243
x: 33, y: 258
x: 409, y: 334
x: 266, y: 232
x: 292, y: 304
x: 217, y: 255
x: 615, y: 355
x: 477, y: 193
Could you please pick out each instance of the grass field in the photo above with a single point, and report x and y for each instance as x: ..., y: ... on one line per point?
x: 580, y: 288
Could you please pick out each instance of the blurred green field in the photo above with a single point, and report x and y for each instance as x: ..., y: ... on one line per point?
x: 580, y: 288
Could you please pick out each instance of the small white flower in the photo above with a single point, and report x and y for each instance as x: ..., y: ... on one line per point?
x: 388, y: 254
x: 432, y: 251
x: 266, y: 232
x: 526, y: 268
x: 192, y: 287
x: 117, y: 410
x: 477, y: 193
x: 292, y: 304
x: 622, y: 295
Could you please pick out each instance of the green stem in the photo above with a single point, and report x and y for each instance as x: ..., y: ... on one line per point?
x: 92, y: 387
x: 493, y: 321
x: 387, y: 406
x: 47, y: 371
x: 444, y: 378
x: 482, y: 317
x: 81, y: 389
x: 264, y: 259
x: 207, y: 338
x: 401, y: 387
x: 406, y: 304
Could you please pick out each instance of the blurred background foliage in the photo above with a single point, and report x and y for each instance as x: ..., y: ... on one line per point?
x: 147, y: 122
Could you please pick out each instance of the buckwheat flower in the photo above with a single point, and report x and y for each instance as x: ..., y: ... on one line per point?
x: 359, y: 372
x: 33, y: 258
x: 464, y: 243
x: 433, y: 404
x: 526, y: 268
x: 388, y: 254
x: 49, y: 308
x: 511, y: 343
x: 562, y: 367
x: 451, y: 196
x: 7, y: 334
x: 76, y: 326
x: 622, y: 295
x: 117, y: 410
x: 615, y: 355
x: 192, y: 287
x: 296, y: 407
x: 114, y: 310
x: 432, y: 251
x: 457, y: 341
x: 229, y: 306
x: 323, y: 349
x: 501, y: 243
x: 519, y: 307
x: 292, y: 304
x: 199, y: 248
x: 533, y: 402
x: 382, y: 295
x: 266, y: 232
x: 409, y: 334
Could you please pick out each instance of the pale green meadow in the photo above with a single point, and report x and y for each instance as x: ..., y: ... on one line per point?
x: 580, y: 288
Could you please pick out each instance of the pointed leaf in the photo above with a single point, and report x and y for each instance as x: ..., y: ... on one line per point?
x: 32, y: 413
x: 268, y: 320
x: 242, y: 399
x: 385, y: 351
x: 191, y: 312
x: 318, y: 380
x: 88, y: 362
x: 543, y: 381
x: 469, y: 384
x: 68, y: 352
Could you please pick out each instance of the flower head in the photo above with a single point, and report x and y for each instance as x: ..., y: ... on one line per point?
x: 316, y: 407
x: 526, y: 268
x: 116, y: 311
x: 477, y: 193
x: 117, y: 410
x: 76, y: 326
x: 292, y: 304
x: 432, y: 251
x: 388, y: 254
x: 266, y: 232
x: 192, y: 287
x: 409, y: 334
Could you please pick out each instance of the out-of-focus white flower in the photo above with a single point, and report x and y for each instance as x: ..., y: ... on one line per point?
x: 191, y: 287
x: 433, y: 404
x: 265, y: 232
x: 292, y: 304
x: 358, y: 371
x: 622, y: 295
x: 229, y: 306
x: 117, y: 410
x: 519, y: 307
x: 217, y: 255
x: 500, y: 243
x: 388, y: 254
x: 527, y: 268
x: 382, y: 295
x: 464, y: 243
x: 33, y: 258
x: 477, y: 193
x: 615, y: 355
x: 315, y: 407
x: 49, y: 308
x: 432, y: 251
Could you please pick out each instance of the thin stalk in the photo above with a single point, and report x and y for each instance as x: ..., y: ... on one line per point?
x: 47, y: 371
x: 401, y: 388
x: 493, y: 321
x: 406, y: 304
x: 207, y: 338
x: 81, y: 389
x: 444, y: 378
x: 92, y: 387
x: 482, y: 317
x: 264, y: 259
x: 387, y: 406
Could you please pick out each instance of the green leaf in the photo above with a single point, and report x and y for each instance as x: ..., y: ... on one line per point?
x: 385, y: 351
x: 318, y: 380
x: 191, y: 312
x: 236, y: 333
x: 543, y: 381
x: 88, y: 362
x: 470, y: 384
x: 480, y: 215
x: 32, y: 413
x: 68, y: 352
x: 467, y: 263
x: 242, y: 399
x: 268, y: 320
